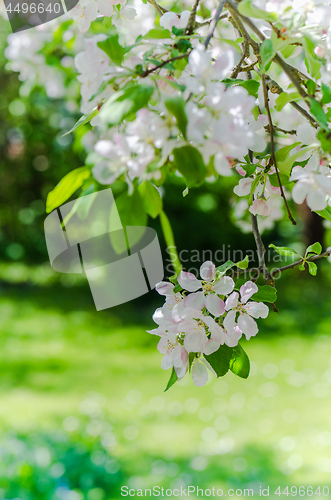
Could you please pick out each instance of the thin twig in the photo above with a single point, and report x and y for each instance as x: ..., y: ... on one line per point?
x: 272, y: 144
x: 260, y: 247
x: 149, y: 71
x: 299, y: 262
x: 191, y: 22
x: 282, y: 130
x: 214, y: 23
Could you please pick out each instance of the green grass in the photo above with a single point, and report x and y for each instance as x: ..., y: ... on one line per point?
x: 63, y: 366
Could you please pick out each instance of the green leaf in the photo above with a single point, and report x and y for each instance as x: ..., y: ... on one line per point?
x: 318, y: 113
x: 287, y: 252
x: 266, y: 293
x: 172, y: 380
x: 249, y: 168
x: 191, y: 358
x: 233, y: 43
x: 284, y: 179
x: 312, y: 268
x: 326, y: 213
x: 324, y: 136
x: 157, y: 33
x: 288, y: 51
x: 176, y: 106
x: 243, y: 264
x: 124, y: 103
x: 284, y: 98
x: 66, y: 187
x: 239, y: 362
x: 267, y: 52
x: 170, y: 242
x: 82, y: 120
x: 220, y: 360
x: 285, y: 166
x: 151, y: 198
x: 314, y: 248
x: 190, y: 164
x: 252, y: 86
x: 246, y: 8
x: 313, y: 63
x: 113, y: 49
x: 132, y: 213
x: 283, y: 153
x: 326, y: 99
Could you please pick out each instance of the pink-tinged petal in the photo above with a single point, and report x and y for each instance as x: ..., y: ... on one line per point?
x: 195, y: 301
x: 195, y: 341
x: 215, y: 305
x: 168, y: 20
x: 188, y: 281
x: 244, y: 187
x: 224, y: 286
x: 222, y: 165
x: 166, y: 362
x: 208, y: 271
x: 223, y: 65
x: 164, y: 288
x: 229, y: 321
x: 232, y: 301
x: 217, y: 332
x: 180, y: 360
x: 211, y: 346
x: 199, y: 374
x: 247, y: 325
x: 247, y: 290
x: 259, y: 207
x: 240, y: 170
x: 232, y: 338
x: 257, y: 309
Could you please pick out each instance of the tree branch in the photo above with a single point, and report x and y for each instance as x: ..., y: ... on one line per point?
x: 214, y: 23
x: 164, y: 63
x: 272, y: 143
x: 299, y: 262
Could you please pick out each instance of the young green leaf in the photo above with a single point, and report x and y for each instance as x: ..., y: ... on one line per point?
x: 220, y: 360
x: 266, y: 293
x: 157, y: 33
x: 243, y: 264
x: 176, y: 106
x: 172, y: 380
x: 287, y: 252
x: 313, y: 63
x: 285, y: 98
x: 239, y: 362
x: 82, y: 120
x: 125, y: 103
x: 318, y: 113
x: 312, y: 268
x: 326, y: 213
x: 315, y: 248
x: 151, y: 198
x: 326, y: 99
x: 113, y: 49
x: 66, y: 187
x: 190, y: 164
x: 248, y: 9
x: 267, y: 52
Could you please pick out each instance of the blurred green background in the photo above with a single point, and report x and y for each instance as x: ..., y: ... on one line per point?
x: 82, y: 407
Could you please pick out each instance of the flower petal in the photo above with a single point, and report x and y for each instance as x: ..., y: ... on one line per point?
x: 208, y: 271
x: 247, y: 325
x: 195, y: 341
x: 247, y: 290
x: 211, y: 346
x: 199, y: 374
x: 164, y: 288
x: 232, y: 301
x: 188, y: 281
x: 224, y: 286
x: 257, y: 309
x: 195, y: 301
x: 215, y: 305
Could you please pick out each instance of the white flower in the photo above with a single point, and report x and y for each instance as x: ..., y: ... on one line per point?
x: 247, y: 311
x: 84, y: 13
x: 174, y: 354
x: 170, y: 19
x: 312, y: 187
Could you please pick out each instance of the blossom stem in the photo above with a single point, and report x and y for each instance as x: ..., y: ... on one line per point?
x: 214, y: 22
x: 299, y: 262
x: 260, y: 247
x: 272, y: 144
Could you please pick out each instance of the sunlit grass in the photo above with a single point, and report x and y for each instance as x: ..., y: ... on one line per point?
x: 61, y: 362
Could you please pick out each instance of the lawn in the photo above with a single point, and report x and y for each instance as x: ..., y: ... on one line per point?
x: 82, y: 407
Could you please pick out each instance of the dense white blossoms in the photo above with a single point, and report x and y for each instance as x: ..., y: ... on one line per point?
x: 200, y: 321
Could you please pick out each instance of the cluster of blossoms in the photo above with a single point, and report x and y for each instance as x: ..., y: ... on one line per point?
x: 87, y: 11
x: 199, y: 322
